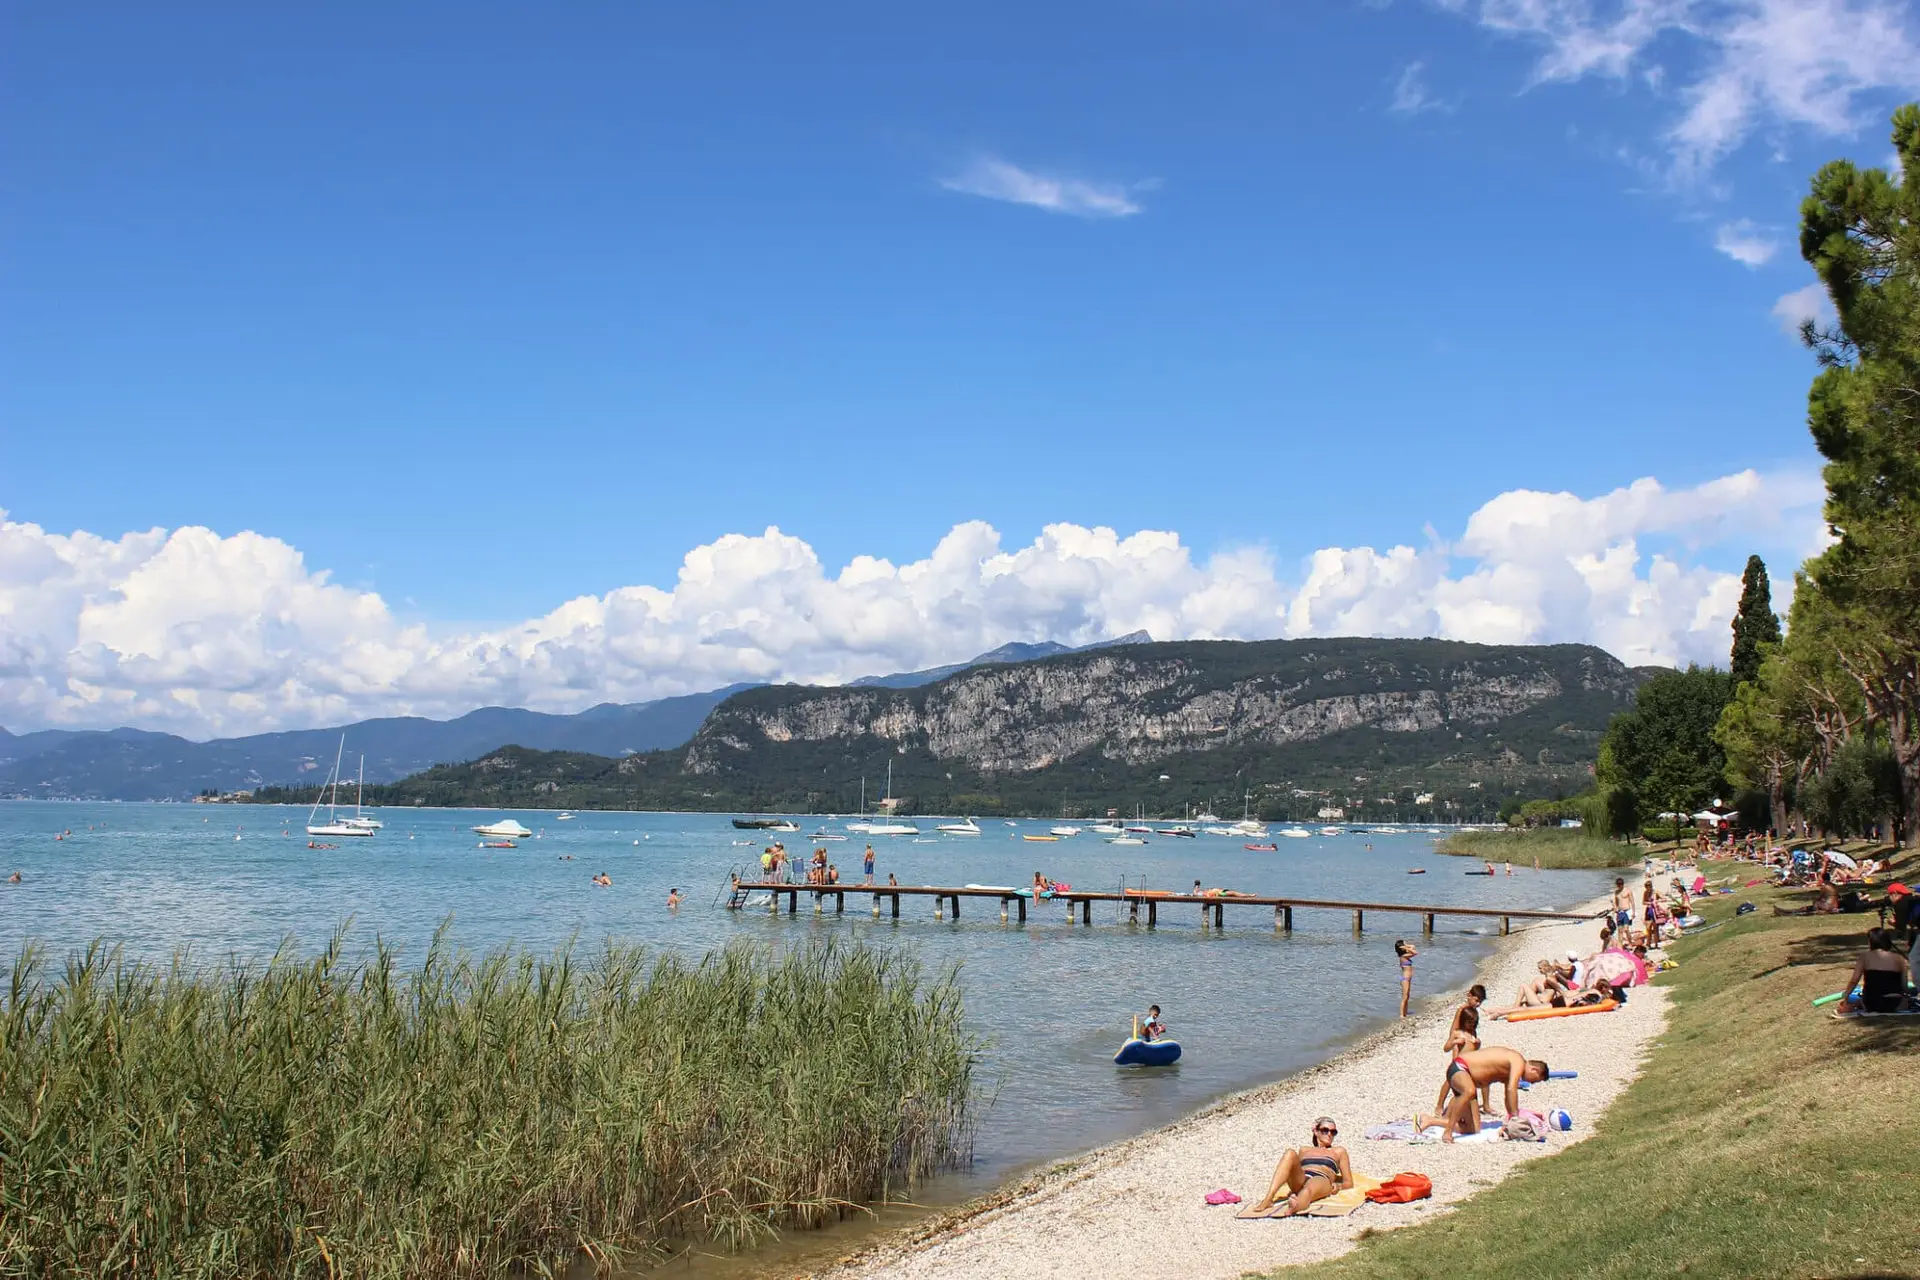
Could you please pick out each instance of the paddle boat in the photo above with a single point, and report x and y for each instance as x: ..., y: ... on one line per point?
x: 1138, y: 1052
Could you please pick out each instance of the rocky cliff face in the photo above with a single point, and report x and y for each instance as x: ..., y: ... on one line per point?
x: 1150, y: 702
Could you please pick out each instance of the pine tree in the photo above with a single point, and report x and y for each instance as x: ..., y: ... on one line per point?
x: 1755, y: 624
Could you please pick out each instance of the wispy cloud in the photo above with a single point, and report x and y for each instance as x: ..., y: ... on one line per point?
x: 1746, y: 243
x: 1411, y: 95
x: 1796, y: 63
x: 996, y: 179
x: 1807, y: 303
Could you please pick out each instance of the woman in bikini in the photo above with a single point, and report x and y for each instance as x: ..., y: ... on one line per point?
x: 1307, y: 1175
x: 1464, y: 1037
x: 1405, y: 950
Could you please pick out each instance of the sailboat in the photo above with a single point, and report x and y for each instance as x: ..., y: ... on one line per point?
x: 332, y: 826
x: 886, y: 802
x: 1248, y: 824
x: 359, y: 790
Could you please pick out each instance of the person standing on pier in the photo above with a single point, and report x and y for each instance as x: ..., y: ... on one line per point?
x: 868, y: 864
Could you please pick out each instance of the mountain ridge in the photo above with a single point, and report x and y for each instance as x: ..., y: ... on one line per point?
x: 1157, y: 724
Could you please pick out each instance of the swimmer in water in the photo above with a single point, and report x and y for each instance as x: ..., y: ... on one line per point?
x: 673, y: 899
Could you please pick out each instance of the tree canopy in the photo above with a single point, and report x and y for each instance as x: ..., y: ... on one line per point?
x: 1835, y: 717
x: 1754, y: 626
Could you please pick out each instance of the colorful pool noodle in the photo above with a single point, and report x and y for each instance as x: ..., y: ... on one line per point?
x: 1825, y: 1000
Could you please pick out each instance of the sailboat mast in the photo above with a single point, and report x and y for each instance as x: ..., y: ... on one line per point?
x: 360, y: 787
x: 334, y: 800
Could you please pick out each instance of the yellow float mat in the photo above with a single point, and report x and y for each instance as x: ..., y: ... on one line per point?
x: 1337, y: 1205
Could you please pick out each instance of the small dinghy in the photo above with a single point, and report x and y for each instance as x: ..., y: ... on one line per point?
x: 1141, y: 1052
x: 1148, y: 1053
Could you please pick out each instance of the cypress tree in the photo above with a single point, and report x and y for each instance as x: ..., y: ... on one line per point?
x: 1755, y: 624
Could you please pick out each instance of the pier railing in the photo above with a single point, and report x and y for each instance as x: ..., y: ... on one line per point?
x: 1213, y: 906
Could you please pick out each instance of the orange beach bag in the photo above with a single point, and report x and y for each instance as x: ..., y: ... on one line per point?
x: 1401, y: 1188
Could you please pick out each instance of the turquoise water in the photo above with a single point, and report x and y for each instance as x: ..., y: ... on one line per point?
x: 1053, y: 999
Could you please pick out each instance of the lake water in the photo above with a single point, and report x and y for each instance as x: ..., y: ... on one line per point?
x: 1053, y: 999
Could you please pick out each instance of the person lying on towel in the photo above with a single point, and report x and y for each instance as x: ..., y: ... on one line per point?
x: 1472, y: 1071
x: 1309, y: 1174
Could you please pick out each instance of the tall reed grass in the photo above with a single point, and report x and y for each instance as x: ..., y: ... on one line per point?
x: 315, y: 1117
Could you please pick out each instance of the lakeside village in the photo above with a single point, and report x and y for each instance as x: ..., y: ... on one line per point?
x: 1717, y: 1055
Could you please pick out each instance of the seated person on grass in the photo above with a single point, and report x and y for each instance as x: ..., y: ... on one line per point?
x: 1307, y: 1175
x: 1880, y: 977
x: 1472, y: 1071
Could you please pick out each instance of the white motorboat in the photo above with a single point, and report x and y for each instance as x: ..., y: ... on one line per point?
x: 1295, y: 833
x: 965, y: 827
x: 505, y: 829
x: 1125, y: 840
x: 564, y: 817
x: 1218, y: 830
x: 334, y: 825
x: 1330, y: 831
x: 891, y: 829
x: 1063, y: 832
x: 1106, y: 829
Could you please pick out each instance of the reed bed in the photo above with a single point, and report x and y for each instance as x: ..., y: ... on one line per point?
x: 473, y: 1116
x: 1557, y: 848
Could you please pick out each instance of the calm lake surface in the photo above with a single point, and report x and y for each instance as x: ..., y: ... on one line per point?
x: 1052, y: 999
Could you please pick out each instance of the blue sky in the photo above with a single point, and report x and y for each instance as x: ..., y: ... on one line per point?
x: 483, y: 308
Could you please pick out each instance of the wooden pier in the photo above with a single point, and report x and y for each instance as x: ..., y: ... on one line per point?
x: 1212, y: 907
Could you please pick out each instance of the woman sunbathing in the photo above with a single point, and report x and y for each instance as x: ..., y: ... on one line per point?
x: 1307, y: 1175
x: 1549, y: 990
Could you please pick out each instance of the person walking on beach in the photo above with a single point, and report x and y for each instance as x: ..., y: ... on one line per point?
x: 1306, y: 1175
x: 867, y: 863
x: 1405, y: 950
x: 1622, y: 903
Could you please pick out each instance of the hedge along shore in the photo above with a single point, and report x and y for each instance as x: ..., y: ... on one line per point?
x: 1136, y: 1208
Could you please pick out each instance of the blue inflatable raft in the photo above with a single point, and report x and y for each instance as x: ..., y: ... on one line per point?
x: 1148, y: 1053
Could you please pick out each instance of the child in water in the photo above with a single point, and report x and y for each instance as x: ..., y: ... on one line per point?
x: 1151, y: 1028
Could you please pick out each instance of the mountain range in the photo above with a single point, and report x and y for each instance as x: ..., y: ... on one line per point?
x: 138, y: 764
x: 1292, y: 724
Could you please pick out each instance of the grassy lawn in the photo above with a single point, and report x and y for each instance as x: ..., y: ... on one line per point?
x: 1762, y: 1139
x: 1557, y: 848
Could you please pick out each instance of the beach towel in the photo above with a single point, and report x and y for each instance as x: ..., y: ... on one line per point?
x: 1337, y: 1205
x: 1402, y: 1131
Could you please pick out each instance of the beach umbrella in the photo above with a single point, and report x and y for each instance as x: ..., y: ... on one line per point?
x: 1708, y: 815
x: 1842, y: 859
x: 1670, y: 816
x: 1619, y: 968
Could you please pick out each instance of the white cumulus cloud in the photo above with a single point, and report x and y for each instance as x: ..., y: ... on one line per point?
x: 1736, y: 65
x: 1745, y: 243
x: 996, y: 179
x: 206, y: 634
x: 1809, y: 302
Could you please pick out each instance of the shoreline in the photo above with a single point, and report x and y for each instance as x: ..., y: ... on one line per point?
x: 1138, y: 1204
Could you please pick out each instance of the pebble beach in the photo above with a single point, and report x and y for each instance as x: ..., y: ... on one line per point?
x: 1138, y: 1208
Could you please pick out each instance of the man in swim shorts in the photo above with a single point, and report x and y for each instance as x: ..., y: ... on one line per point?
x: 1472, y: 1071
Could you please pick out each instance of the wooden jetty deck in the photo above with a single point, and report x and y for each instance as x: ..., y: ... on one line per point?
x: 1211, y: 905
